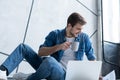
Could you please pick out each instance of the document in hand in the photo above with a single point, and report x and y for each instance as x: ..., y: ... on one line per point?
x: 110, y: 76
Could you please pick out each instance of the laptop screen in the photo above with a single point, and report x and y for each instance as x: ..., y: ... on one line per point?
x: 83, y: 70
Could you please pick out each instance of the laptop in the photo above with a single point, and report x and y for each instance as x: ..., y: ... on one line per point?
x: 83, y: 70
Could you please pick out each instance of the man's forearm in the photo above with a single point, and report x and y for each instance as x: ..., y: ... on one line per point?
x: 45, y: 51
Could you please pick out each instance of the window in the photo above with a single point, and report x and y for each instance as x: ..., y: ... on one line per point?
x: 111, y: 20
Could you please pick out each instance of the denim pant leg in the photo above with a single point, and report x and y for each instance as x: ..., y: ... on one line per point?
x: 21, y: 52
x: 49, y: 69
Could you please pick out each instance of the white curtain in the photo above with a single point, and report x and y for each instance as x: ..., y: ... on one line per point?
x: 111, y: 20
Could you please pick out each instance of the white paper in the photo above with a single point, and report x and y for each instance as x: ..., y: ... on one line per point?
x: 110, y: 76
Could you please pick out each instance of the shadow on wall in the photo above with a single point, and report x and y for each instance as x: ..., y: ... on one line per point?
x: 111, y: 59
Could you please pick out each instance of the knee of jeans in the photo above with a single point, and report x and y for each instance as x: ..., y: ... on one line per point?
x: 53, y: 63
x: 22, y: 47
x: 50, y: 60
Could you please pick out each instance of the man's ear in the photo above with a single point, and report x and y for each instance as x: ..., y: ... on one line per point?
x: 69, y: 25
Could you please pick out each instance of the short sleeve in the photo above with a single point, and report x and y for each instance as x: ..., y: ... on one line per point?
x: 49, y: 40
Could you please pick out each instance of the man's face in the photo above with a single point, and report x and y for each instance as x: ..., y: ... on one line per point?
x: 75, y: 30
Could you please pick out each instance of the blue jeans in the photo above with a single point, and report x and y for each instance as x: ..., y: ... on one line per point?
x: 48, y: 67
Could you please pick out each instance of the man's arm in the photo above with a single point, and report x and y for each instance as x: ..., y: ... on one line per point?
x: 89, y: 49
x: 45, y: 51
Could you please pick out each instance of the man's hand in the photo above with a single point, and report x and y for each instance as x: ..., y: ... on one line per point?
x: 64, y: 45
x: 100, y: 78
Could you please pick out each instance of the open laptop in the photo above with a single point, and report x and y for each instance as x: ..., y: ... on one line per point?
x: 83, y: 70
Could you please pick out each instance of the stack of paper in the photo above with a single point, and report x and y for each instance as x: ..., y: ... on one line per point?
x: 110, y: 76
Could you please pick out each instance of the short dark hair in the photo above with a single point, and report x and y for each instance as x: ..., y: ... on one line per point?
x: 75, y: 18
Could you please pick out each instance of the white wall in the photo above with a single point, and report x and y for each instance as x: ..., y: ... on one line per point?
x: 46, y: 16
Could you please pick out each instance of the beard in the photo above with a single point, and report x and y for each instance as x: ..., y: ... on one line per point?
x: 72, y: 34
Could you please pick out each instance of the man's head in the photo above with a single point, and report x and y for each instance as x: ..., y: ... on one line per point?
x: 75, y: 24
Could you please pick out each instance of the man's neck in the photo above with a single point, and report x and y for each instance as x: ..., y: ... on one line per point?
x: 68, y: 34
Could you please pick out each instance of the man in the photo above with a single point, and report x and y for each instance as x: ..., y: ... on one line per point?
x: 57, y: 46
